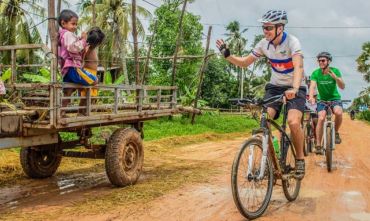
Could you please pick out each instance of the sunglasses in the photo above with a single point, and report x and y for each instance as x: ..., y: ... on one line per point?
x: 268, y: 28
x: 321, y: 60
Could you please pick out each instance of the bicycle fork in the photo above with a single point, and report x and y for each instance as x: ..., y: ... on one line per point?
x: 263, y: 160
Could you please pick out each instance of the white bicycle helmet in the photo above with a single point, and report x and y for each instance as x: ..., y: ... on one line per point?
x: 275, y: 17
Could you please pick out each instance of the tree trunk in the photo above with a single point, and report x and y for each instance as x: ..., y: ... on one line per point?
x: 93, y: 13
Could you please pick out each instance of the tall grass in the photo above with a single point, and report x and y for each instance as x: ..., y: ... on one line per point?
x: 207, y: 123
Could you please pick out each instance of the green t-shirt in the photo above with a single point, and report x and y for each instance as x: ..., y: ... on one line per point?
x: 326, y: 85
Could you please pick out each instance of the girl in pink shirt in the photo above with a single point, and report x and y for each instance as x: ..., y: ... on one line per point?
x: 71, y: 48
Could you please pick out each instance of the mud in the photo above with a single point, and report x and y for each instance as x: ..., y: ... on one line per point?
x: 340, y: 195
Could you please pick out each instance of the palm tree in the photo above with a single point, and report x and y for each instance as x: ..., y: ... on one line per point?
x: 237, y: 44
x: 18, y: 26
x: 115, y: 19
x: 363, y: 61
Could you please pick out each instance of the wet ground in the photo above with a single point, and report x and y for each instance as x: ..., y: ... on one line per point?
x: 343, y: 194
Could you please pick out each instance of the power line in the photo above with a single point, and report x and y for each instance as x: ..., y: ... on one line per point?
x: 300, y: 27
x: 150, y: 3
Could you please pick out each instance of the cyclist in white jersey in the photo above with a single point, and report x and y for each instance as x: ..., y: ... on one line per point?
x: 286, y: 58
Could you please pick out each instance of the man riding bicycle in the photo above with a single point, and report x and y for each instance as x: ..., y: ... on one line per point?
x: 327, y: 79
x: 286, y: 58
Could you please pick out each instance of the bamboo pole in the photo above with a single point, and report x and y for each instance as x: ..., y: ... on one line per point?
x: 134, y: 35
x: 201, y: 74
x: 52, y: 29
x: 178, y: 42
x: 149, y: 51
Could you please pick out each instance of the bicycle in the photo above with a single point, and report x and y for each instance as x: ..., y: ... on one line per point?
x: 246, y: 180
x: 328, y: 138
x: 309, y: 131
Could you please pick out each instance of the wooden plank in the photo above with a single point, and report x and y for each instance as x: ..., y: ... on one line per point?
x: 159, y: 94
x: 88, y: 102
x: 36, y: 98
x: 23, y: 46
x: 11, y: 142
x: 115, y: 119
x: 14, y: 66
x: 116, y: 97
x: 112, y: 117
x: 26, y: 65
x: 17, y: 113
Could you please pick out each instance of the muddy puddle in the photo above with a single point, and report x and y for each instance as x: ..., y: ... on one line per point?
x: 30, y: 191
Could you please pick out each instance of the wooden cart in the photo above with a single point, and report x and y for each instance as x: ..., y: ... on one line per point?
x: 39, y: 118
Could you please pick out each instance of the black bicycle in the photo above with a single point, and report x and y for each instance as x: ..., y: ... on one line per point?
x: 257, y: 166
x: 309, y: 131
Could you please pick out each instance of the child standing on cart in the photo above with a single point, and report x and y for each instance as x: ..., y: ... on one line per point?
x: 71, y: 48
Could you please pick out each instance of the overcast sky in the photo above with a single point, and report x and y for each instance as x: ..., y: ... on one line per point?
x: 344, y: 44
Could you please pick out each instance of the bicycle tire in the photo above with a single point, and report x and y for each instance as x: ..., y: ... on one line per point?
x: 288, y: 167
x: 306, y: 142
x: 238, y: 195
x: 328, y: 148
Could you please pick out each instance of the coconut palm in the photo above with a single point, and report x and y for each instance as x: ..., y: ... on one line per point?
x: 363, y: 61
x: 18, y: 26
x: 115, y: 20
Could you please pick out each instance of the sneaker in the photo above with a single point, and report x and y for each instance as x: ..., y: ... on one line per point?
x: 337, y: 138
x: 319, y: 150
x: 299, y: 169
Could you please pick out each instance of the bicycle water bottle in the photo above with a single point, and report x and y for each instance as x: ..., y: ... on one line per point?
x: 275, y: 143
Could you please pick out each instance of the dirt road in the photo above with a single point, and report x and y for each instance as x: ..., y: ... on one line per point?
x: 343, y: 194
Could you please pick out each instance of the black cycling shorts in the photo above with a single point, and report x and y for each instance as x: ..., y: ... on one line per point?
x: 297, y: 103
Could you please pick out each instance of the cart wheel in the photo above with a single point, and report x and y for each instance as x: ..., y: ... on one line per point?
x: 40, y: 161
x: 124, y: 157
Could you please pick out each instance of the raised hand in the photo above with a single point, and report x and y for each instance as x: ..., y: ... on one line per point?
x: 221, y: 45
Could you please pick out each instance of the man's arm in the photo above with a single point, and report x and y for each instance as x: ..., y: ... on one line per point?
x: 298, y: 71
x: 337, y: 79
x: 297, y: 76
x: 238, y: 61
x: 241, y: 61
x: 311, y: 91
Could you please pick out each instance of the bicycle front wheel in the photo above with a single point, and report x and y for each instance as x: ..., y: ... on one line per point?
x: 307, y: 139
x: 251, y: 194
x: 329, y: 148
x: 291, y: 185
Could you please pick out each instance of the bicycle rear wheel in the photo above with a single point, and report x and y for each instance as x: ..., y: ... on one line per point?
x: 329, y: 148
x: 251, y: 195
x: 291, y: 185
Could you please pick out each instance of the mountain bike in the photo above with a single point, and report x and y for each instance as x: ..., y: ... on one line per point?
x: 328, y: 138
x: 257, y: 167
x: 309, y: 131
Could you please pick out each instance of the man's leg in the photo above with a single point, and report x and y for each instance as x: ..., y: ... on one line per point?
x: 294, y: 122
x: 319, y: 127
x: 338, y: 112
x: 271, y: 112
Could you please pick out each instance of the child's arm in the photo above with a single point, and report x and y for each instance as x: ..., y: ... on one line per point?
x: 73, y: 43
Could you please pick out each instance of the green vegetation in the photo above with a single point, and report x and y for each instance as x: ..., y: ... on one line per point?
x: 207, y: 123
x: 364, y: 115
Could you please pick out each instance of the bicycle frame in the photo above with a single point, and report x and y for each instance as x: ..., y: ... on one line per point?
x: 328, y: 122
x: 267, y: 146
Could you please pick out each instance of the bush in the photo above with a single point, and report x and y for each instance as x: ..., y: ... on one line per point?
x: 365, y: 115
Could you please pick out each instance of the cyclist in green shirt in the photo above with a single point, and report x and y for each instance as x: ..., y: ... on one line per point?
x: 327, y: 79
